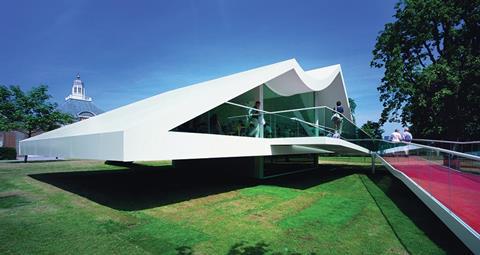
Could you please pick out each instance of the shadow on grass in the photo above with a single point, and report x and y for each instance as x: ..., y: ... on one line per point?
x: 321, y: 174
x: 242, y: 248
x: 418, y: 213
x: 141, y: 187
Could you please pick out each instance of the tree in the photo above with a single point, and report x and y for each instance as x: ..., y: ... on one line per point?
x: 8, y: 121
x: 353, y: 106
x: 31, y: 111
x: 431, y: 58
x: 373, y: 128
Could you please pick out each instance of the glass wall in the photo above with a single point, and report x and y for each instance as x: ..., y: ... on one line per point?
x: 228, y: 119
x: 273, y: 102
x: 282, y: 117
x: 281, y: 124
x: 248, y: 98
x: 225, y: 119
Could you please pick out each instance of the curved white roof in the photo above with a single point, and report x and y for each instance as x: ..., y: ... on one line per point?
x: 161, y: 113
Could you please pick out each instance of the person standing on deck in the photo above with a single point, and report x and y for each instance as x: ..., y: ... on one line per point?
x: 337, y: 118
x: 396, y: 137
x: 406, y: 137
x: 256, y: 120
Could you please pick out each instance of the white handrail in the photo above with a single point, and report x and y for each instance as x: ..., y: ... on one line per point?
x: 293, y: 110
x: 314, y: 125
x: 446, y: 141
x: 464, y: 155
x: 301, y: 109
x: 325, y: 128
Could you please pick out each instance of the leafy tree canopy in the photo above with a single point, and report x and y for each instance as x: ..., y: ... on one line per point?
x: 431, y: 58
x: 373, y: 128
x: 7, y: 110
x: 29, y: 111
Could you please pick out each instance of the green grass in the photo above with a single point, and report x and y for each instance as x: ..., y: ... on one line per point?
x: 344, y: 160
x: 87, y: 207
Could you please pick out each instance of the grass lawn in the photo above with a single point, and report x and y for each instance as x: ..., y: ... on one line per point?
x: 87, y: 207
x: 343, y: 160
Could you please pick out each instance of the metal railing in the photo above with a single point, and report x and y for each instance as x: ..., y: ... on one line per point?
x: 320, y: 119
x: 232, y: 119
x: 383, y: 149
x: 469, y: 147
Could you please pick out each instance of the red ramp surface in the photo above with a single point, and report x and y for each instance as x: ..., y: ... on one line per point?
x: 458, y: 191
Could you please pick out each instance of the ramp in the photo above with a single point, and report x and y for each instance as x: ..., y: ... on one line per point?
x: 448, y: 182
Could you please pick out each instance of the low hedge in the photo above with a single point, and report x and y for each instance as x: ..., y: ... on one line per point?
x: 8, y: 153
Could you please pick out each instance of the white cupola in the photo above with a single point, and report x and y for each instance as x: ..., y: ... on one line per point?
x: 78, y: 91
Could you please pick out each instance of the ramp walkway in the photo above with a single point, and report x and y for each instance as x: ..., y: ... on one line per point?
x: 447, y: 181
x: 457, y: 190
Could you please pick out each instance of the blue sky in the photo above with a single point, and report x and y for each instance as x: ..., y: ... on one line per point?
x: 129, y: 50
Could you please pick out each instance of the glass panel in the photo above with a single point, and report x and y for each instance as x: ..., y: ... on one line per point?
x: 472, y: 148
x: 284, y: 125
x: 225, y: 119
x: 273, y: 102
x: 248, y: 98
x: 339, y: 126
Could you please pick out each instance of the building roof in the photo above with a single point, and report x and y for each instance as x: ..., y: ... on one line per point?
x: 142, y: 130
x: 79, y: 108
x: 194, y: 100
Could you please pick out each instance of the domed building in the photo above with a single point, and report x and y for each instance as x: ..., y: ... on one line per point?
x: 78, y: 104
